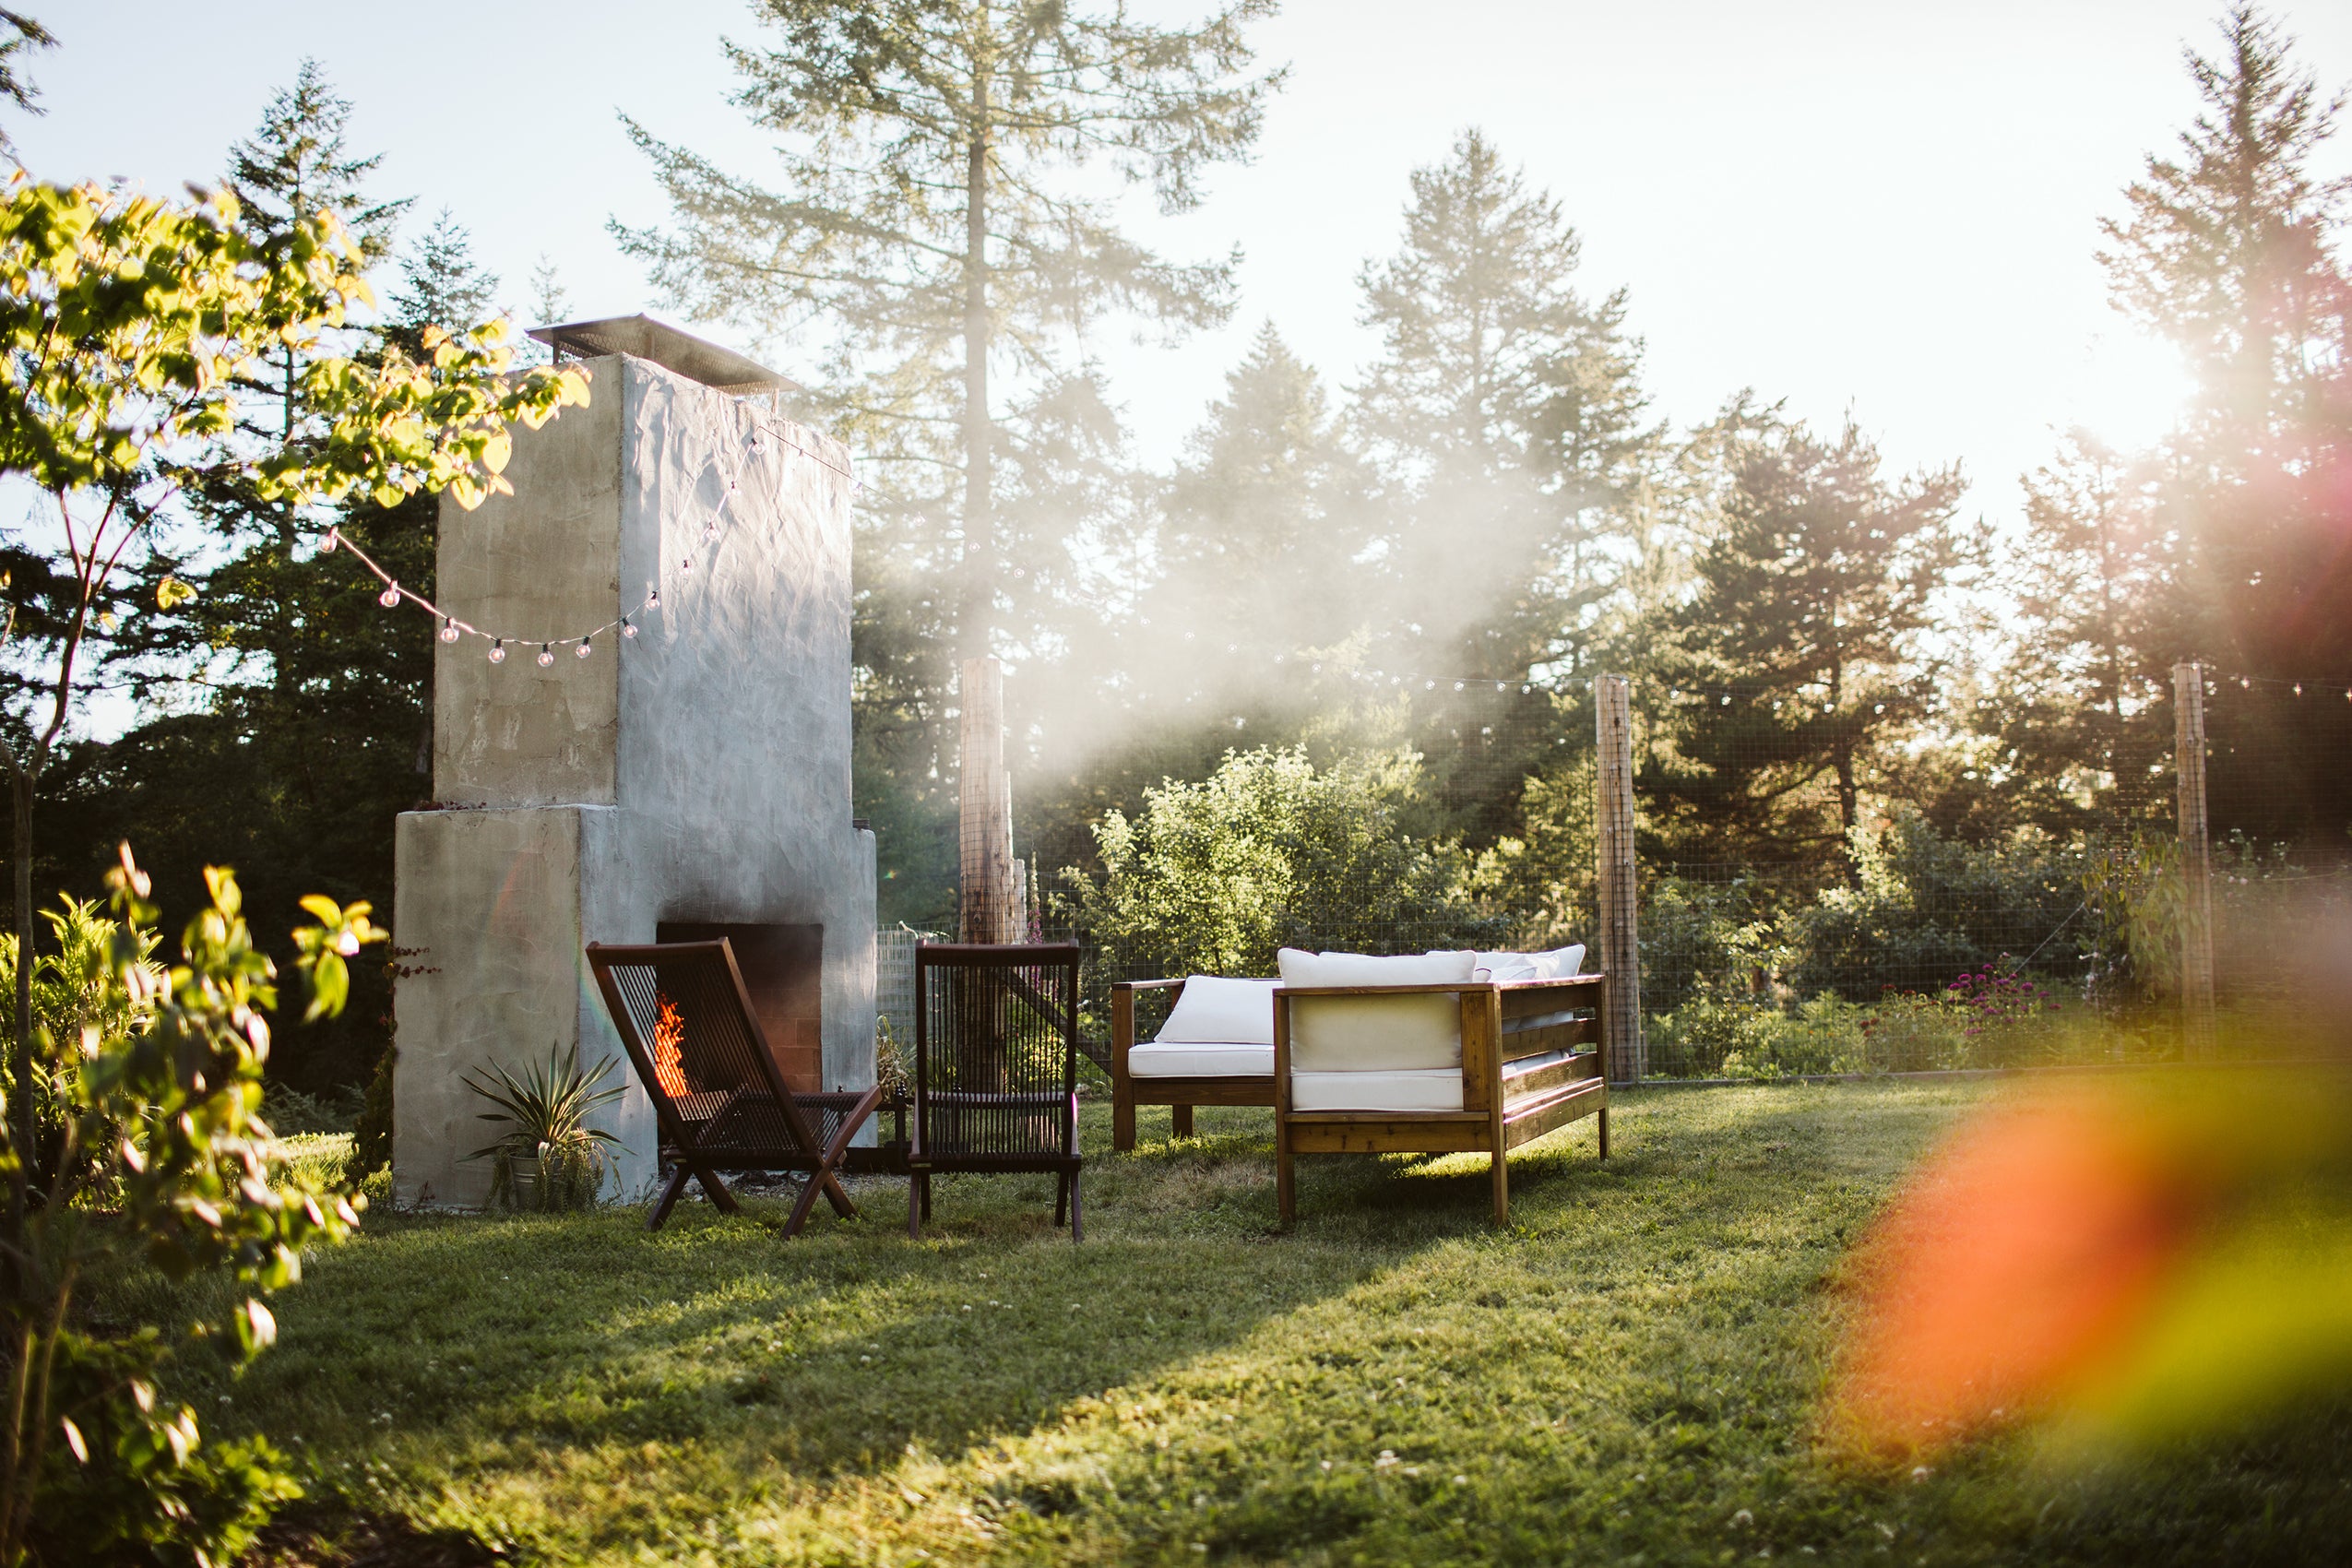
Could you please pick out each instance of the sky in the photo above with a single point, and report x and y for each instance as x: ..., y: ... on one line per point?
x: 1887, y: 210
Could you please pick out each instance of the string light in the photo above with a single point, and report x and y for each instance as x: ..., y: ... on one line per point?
x: 452, y: 628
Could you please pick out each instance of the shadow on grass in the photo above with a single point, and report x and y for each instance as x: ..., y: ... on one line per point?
x: 1628, y: 1368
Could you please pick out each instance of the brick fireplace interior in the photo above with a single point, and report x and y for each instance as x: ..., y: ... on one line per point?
x: 783, y: 968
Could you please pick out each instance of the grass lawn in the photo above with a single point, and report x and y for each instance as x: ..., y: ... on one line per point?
x: 1626, y: 1375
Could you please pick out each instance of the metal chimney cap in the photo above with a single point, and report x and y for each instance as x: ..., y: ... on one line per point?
x: 691, y: 357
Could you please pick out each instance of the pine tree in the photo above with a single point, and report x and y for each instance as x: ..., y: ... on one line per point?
x: 1505, y: 410
x: 1799, y: 654
x: 1265, y: 517
x: 2232, y: 249
x: 23, y: 36
x: 924, y: 228
x: 1505, y: 414
x: 298, y: 164
x: 2082, y: 702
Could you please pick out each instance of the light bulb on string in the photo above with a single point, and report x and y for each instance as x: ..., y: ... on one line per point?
x: 329, y: 547
x: 685, y: 566
x: 652, y: 597
x: 546, y: 656
x: 390, y: 597
x: 449, y: 628
x: 628, y: 627
x: 498, y: 652
x: 582, y: 651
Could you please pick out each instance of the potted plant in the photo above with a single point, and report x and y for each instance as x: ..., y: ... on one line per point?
x: 549, y: 1157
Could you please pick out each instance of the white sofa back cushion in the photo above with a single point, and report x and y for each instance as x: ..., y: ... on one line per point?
x: 1560, y: 963
x: 1214, y: 1010
x: 1338, y: 1034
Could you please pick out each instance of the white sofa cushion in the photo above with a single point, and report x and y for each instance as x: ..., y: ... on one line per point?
x: 1200, y: 1059
x: 1215, y: 1011
x: 1433, y: 1088
x: 1375, y: 1033
x: 1560, y: 963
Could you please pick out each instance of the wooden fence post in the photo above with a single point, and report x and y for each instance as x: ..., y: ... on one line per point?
x: 1624, y: 1053
x: 2196, y: 861
x: 989, y: 906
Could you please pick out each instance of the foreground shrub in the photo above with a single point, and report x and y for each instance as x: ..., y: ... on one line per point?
x: 154, y: 1099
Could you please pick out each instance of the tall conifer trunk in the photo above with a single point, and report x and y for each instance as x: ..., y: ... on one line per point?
x: 978, y: 601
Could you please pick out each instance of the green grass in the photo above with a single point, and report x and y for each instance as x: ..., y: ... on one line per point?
x: 1628, y: 1374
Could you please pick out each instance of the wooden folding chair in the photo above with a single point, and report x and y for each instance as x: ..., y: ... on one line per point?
x: 721, y: 1103
x: 996, y: 1068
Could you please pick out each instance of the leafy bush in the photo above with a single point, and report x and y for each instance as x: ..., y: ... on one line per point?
x: 1923, y: 907
x: 155, y: 1098
x: 1212, y: 877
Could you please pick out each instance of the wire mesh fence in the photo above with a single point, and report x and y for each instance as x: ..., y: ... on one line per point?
x: 2008, y: 896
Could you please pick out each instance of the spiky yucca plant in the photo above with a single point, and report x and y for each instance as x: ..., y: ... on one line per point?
x: 546, y: 1111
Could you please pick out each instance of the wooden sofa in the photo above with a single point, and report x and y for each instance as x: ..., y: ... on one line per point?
x: 1520, y: 1074
x: 1238, y: 1079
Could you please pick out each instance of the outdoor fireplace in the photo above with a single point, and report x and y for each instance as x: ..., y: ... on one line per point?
x: 687, y: 778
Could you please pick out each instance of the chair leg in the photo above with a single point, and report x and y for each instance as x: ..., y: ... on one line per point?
x: 1502, y: 1170
x: 1077, y: 1218
x: 716, y: 1191
x: 668, y: 1198
x: 926, y: 1195
x: 1060, y: 1199
x: 1180, y: 1121
x: 1604, y: 1132
x: 914, y: 1205
x: 817, y: 1182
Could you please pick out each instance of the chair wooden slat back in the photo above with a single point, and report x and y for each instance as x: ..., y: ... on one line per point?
x: 996, y: 1063
x: 685, y: 1018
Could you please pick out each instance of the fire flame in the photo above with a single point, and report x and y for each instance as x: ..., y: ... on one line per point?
x: 669, y: 1034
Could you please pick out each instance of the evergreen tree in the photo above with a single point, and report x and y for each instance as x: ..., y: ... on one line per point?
x: 1505, y: 415
x: 1264, y: 518
x: 295, y: 165
x: 1799, y: 654
x: 2082, y: 706
x: 2232, y: 249
x: 23, y: 35
x: 1251, y: 563
x: 1505, y: 410
x: 925, y: 226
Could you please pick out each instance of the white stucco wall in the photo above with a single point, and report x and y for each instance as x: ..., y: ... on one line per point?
x: 699, y: 771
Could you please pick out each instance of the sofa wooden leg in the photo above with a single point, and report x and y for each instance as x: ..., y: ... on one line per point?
x: 1502, y: 1172
x: 1123, y: 1116
x: 1180, y: 1121
x: 1286, y: 1181
x: 1604, y: 1132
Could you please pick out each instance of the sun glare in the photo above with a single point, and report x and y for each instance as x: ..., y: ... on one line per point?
x: 2127, y: 389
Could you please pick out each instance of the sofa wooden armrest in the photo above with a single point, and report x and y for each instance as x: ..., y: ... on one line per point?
x: 1523, y: 1076
x: 1180, y: 1094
